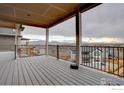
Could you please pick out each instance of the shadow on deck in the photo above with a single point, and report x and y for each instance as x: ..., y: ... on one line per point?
x: 46, y: 70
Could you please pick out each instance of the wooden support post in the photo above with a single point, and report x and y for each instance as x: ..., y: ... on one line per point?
x: 47, y: 40
x: 78, y: 42
x: 18, y: 30
x: 78, y: 38
x: 16, y: 42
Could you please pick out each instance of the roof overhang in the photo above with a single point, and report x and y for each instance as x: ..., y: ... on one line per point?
x: 43, y: 15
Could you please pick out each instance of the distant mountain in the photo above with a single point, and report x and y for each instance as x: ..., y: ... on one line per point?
x: 42, y: 42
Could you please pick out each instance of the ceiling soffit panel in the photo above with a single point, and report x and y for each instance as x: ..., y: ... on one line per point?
x: 65, y: 7
x: 38, y: 14
x: 4, y: 10
x: 37, y: 8
x: 31, y: 16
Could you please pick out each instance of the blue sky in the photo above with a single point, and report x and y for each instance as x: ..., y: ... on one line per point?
x: 103, y: 23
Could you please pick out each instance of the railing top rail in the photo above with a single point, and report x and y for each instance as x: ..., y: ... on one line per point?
x: 101, y: 46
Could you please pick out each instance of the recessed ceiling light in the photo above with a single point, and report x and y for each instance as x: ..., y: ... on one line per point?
x: 28, y: 15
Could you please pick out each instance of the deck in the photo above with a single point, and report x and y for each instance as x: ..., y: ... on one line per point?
x: 47, y: 70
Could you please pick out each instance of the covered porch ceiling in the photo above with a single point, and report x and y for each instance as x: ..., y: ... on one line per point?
x: 43, y: 15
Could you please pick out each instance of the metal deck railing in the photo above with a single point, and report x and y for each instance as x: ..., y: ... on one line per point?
x: 109, y: 59
x: 31, y: 50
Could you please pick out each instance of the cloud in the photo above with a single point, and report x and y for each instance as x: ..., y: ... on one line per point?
x: 66, y: 28
x: 105, y: 20
x: 29, y: 30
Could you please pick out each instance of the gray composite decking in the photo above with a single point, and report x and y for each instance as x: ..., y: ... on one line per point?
x: 47, y: 70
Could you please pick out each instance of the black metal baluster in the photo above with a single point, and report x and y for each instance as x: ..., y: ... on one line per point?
x: 82, y: 55
x: 101, y: 58
x: 123, y: 61
x: 109, y: 59
x: 89, y: 57
x: 94, y: 56
x: 105, y: 59
x: 113, y: 57
x: 118, y: 61
x: 98, y: 57
x: 86, y: 56
x: 57, y: 51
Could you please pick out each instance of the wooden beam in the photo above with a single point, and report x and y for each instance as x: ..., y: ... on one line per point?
x: 88, y: 6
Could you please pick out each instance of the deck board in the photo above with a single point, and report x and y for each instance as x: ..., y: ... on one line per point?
x: 2, y: 69
x: 83, y: 72
x: 9, y: 79
x: 21, y: 78
x: 42, y: 75
x: 68, y: 76
x: 5, y: 74
x: 74, y: 76
x: 36, y: 75
x: 83, y: 76
x: 30, y: 73
x: 46, y: 70
x: 15, y: 74
x: 25, y: 74
x: 48, y: 75
x: 58, y: 77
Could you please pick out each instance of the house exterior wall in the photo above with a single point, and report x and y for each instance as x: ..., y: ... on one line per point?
x: 7, y: 39
x: 7, y: 43
x: 7, y: 31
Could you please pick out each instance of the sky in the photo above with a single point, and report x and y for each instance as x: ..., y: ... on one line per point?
x: 104, y: 23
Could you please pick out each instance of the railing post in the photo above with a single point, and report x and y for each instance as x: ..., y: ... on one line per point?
x: 16, y: 42
x: 47, y: 40
x: 15, y: 50
x: 57, y: 52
